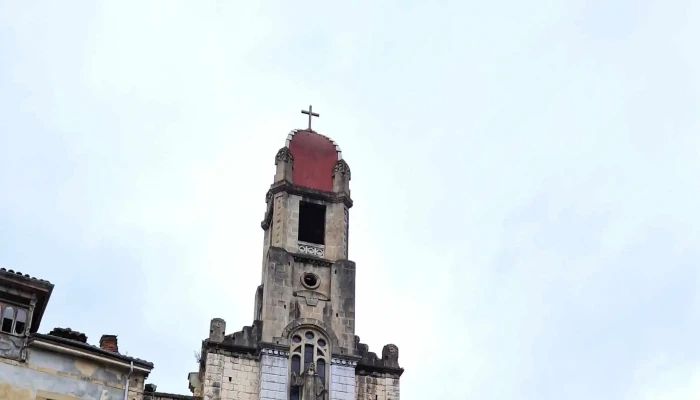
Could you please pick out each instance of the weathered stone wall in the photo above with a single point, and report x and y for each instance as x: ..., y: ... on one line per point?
x: 280, y: 218
x: 342, y: 311
x: 231, y: 377
x: 342, y: 382
x: 335, y: 232
x: 285, y: 299
x: 56, y: 376
x: 277, y: 293
x: 286, y: 215
x: 283, y: 230
x: 291, y: 210
x: 267, y: 241
x: 381, y: 387
x: 273, y: 377
x: 11, y: 346
x: 136, y: 386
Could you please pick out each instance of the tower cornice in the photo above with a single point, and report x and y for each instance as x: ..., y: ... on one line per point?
x: 288, y: 187
x: 311, y: 260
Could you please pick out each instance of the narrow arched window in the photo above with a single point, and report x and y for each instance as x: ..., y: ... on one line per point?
x: 308, y: 346
x: 8, y: 317
x: 321, y: 369
x: 296, y: 369
x: 20, y: 321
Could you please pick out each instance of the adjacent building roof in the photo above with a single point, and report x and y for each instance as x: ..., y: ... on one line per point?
x: 75, y: 344
x: 24, y: 285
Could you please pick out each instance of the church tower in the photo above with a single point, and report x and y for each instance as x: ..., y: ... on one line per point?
x: 302, y: 343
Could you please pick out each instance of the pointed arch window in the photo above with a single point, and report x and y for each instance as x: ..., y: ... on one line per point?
x: 308, y: 346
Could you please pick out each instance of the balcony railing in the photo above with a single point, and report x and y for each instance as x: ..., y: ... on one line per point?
x: 312, y: 249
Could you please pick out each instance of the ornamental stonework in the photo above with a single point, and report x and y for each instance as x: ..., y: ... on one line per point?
x: 342, y: 167
x: 284, y: 155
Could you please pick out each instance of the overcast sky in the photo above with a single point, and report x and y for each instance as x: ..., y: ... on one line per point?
x: 525, y: 178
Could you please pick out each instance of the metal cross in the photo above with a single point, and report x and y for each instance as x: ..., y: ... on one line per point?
x: 310, y: 113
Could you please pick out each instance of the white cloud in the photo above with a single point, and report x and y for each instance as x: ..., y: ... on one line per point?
x: 523, y: 175
x: 660, y: 378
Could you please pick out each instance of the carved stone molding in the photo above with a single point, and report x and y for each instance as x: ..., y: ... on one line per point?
x: 346, y: 221
x: 275, y: 352
x: 317, y: 250
x: 277, y: 216
x: 339, y: 361
x: 331, y: 197
x: 311, y: 297
x: 310, y: 280
x: 301, y: 323
x: 308, y: 259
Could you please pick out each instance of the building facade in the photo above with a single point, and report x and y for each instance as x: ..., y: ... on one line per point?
x: 302, y: 344
x: 60, y: 365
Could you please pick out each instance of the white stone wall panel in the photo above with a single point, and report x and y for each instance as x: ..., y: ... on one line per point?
x: 273, y: 377
x: 342, y: 382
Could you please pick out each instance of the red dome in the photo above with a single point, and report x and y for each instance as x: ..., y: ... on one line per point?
x: 314, y: 158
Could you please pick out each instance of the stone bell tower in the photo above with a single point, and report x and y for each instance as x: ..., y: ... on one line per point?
x: 306, y: 272
x: 304, y: 319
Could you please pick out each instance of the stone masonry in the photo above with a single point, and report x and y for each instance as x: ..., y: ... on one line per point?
x: 273, y: 376
x: 377, y: 387
x: 304, y: 307
x: 342, y: 382
x: 230, y: 377
x: 286, y: 300
x: 288, y: 221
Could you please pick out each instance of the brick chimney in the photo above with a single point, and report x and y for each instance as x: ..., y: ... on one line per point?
x: 109, y: 343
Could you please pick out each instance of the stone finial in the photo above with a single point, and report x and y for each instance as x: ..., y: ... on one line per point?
x: 284, y: 160
x: 342, y: 167
x: 341, y: 177
x: 390, y: 355
x: 217, y: 330
x: 284, y: 155
x: 109, y: 343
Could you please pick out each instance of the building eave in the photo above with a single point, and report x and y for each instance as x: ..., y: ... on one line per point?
x: 40, y: 289
x: 88, y: 351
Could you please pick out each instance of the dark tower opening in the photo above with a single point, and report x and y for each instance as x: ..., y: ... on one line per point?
x: 312, y: 223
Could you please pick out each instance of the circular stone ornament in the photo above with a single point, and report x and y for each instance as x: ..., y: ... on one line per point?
x: 310, y: 280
